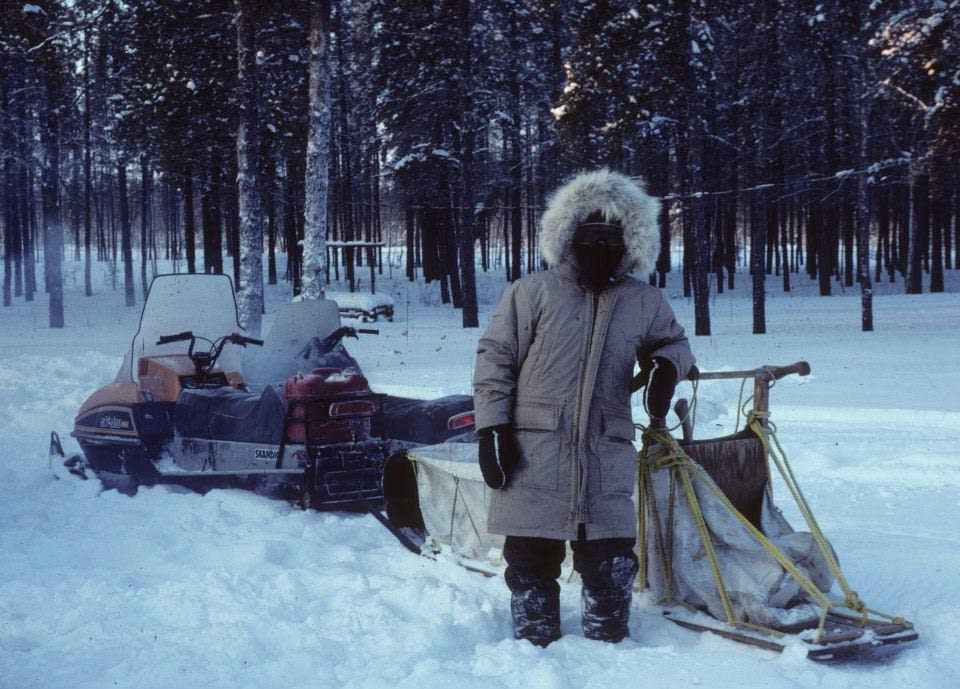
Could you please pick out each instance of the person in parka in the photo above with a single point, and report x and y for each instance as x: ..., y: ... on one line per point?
x: 552, y: 398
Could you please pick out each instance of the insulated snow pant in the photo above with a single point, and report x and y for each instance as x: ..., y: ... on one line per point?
x: 607, y: 567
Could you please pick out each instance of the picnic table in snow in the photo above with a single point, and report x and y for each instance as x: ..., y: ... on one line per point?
x: 367, y: 306
x: 363, y: 305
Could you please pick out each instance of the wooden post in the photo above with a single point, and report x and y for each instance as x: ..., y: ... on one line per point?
x: 373, y: 269
x: 761, y: 394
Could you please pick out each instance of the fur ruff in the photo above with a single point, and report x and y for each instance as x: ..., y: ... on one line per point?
x: 617, y: 197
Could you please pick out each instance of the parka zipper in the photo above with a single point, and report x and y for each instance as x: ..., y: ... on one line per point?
x: 584, y: 366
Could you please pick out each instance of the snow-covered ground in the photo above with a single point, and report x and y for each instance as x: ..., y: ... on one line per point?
x: 172, y: 589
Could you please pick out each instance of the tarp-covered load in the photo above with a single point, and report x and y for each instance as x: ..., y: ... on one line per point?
x: 760, y: 590
x: 454, y: 500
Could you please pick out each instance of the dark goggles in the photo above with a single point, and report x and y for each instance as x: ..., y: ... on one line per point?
x: 599, y: 235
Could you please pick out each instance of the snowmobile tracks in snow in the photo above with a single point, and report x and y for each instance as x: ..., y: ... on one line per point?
x: 845, y: 638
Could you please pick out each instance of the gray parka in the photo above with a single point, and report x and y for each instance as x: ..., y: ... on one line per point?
x: 556, y: 361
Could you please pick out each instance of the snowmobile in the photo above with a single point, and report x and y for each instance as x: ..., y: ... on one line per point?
x: 191, y: 404
x: 715, y: 551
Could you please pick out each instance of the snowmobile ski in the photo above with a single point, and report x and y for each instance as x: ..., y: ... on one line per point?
x: 74, y: 464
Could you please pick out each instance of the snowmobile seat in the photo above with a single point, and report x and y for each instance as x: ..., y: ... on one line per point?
x: 738, y: 465
x: 423, y: 422
x: 230, y: 414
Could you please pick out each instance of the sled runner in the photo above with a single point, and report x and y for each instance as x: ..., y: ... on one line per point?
x: 845, y: 638
x: 715, y: 551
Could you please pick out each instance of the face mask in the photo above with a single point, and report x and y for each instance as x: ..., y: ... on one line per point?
x: 598, y: 254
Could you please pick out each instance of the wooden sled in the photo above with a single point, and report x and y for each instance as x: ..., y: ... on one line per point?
x: 739, y: 466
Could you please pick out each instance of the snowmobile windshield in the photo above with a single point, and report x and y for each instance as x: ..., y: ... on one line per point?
x: 202, y: 304
x: 293, y: 344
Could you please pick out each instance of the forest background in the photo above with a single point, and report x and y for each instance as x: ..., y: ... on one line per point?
x: 814, y: 141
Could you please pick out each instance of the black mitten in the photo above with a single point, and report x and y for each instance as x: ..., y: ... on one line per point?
x: 498, y: 454
x: 663, y: 381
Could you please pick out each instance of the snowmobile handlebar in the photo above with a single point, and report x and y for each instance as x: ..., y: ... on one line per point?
x: 235, y: 338
x: 768, y: 372
x: 243, y: 340
x: 179, y: 337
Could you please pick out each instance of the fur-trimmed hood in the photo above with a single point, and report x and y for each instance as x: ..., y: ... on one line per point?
x: 616, y: 197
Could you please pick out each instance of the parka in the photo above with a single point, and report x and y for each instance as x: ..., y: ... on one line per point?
x: 556, y: 361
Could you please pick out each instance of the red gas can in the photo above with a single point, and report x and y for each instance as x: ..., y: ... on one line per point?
x: 328, y: 406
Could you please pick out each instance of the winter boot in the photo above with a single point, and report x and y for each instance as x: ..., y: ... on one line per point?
x: 535, y: 606
x: 606, y: 599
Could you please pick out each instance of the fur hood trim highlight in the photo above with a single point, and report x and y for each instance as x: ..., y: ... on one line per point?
x: 617, y: 197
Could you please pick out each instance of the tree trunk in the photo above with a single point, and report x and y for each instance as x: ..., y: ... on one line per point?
x: 125, y: 236
x: 700, y: 259
x: 87, y: 181
x: 662, y: 176
x: 468, y: 126
x: 248, y: 172
x: 939, y: 222
x: 291, y: 174
x: 345, y: 188
x: 52, y: 229
x: 914, y: 282
x: 516, y: 212
x: 190, y: 229
x: 8, y: 197
x: 317, y: 165
x: 410, y: 225
x: 27, y: 222
x: 144, y: 194
x: 272, y: 231
x: 863, y: 215
x: 231, y: 196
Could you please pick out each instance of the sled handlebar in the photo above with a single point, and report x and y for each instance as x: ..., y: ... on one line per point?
x: 768, y: 372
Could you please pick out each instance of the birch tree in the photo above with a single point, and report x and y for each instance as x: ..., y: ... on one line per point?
x: 318, y: 147
x: 248, y: 182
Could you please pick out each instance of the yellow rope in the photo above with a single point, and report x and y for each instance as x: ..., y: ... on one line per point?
x: 677, y: 461
x: 642, y: 517
x: 852, y: 599
x: 707, y: 543
x: 646, y: 498
x: 740, y: 402
x: 674, y: 459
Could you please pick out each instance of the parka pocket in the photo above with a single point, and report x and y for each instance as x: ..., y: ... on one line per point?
x: 537, y: 356
x: 618, y: 456
x: 538, y: 440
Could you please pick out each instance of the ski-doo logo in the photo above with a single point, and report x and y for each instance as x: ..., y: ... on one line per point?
x: 260, y: 453
x: 114, y: 422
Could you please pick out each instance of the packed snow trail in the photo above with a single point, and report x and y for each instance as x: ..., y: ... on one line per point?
x: 170, y: 589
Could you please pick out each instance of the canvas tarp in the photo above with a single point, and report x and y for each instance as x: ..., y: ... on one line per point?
x: 454, y: 502
x: 454, y: 499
